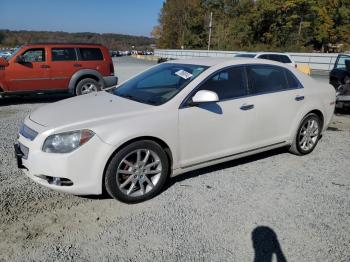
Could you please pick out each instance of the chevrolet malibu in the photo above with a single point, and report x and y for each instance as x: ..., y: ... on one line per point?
x: 173, y: 118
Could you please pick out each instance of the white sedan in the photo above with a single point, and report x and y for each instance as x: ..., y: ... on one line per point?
x: 173, y: 118
x: 278, y: 57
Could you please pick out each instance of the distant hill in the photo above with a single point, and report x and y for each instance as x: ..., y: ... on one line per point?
x: 10, y: 38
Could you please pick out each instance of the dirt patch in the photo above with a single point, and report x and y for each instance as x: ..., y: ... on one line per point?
x: 7, y: 112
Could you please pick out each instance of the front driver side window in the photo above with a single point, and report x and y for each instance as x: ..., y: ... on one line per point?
x: 34, y: 55
x: 228, y: 83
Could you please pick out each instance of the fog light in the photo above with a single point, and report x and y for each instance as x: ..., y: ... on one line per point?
x: 57, y: 181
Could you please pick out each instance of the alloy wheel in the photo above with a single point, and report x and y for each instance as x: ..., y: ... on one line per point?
x: 88, y: 88
x: 308, y: 134
x: 139, y: 172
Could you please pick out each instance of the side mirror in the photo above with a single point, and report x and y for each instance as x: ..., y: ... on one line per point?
x: 3, y: 62
x: 205, y: 96
x: 20, y: 59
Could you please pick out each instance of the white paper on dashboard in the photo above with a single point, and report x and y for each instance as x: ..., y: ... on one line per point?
x: 184, y: 74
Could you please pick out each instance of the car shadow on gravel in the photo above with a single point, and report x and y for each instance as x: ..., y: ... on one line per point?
x: 32, y: 99
x: 266, y: 245
x: 225, y: 165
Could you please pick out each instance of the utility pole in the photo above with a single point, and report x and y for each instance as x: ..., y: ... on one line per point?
x: 299, y: 31
x: 210, y: 26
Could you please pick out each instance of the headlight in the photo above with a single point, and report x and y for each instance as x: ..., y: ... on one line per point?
x: 67, y: 142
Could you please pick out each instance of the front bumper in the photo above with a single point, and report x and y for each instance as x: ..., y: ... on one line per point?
x: 343, y: 101
x: 110, y: 81
x: 81, y: 170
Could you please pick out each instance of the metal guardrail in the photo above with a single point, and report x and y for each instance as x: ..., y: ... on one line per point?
x: 317, y: 61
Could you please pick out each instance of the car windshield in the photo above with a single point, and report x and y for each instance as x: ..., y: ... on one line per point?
x: 246, y: 55
x: 159, y: 84
x: 13, y: 53
x: 341, y: 61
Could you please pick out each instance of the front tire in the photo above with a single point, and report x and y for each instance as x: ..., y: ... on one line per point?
x: 307, y: 136
x: 137, y: 172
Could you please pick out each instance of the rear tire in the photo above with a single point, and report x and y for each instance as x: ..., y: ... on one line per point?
x: 86, y: 86
x: 137, y: 172
x: 307, y: 136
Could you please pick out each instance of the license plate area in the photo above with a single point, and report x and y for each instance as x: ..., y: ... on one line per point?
x: 19, y: 154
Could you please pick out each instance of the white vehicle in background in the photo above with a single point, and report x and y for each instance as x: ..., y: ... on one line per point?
x: 5, y: 54
x: 278, y: 57
x: 177, y: 116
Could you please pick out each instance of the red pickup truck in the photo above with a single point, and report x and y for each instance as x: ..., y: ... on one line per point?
x: 43, y: 68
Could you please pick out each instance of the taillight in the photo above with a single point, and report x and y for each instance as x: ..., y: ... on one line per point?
x: 111, y: 69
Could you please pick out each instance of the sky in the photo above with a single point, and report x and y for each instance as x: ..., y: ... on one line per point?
x: 133, y: 17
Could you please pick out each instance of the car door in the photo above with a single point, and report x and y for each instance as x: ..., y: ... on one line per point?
x: 63, y: 66
x: 277, y: 97
x: 92, y: 58
x: 31, y: 73
x: 213, y: 130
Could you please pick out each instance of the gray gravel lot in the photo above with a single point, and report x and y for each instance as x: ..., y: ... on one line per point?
x: 275, y: 202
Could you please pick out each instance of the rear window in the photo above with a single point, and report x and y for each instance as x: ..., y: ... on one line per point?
x: 90, y: 54
x: 63, y: 54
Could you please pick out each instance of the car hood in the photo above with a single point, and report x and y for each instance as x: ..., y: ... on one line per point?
x: 86, y: 109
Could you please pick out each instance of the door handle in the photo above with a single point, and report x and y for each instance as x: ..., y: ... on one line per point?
x: 45, y: 66
x: 246, y: 107
x: 77, y: 65
x: 299, y: 98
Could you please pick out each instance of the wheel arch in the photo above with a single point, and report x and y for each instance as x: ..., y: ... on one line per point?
x: 297, y: 122
x: 159, y: 141
x: 82, y: 74
x: 319, y: 114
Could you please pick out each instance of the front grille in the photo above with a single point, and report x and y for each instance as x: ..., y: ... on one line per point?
x: 27, y: 132
x: 24, y: 150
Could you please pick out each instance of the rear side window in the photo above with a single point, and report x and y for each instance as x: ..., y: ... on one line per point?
x: 266, y: 79
x: 285, y: 59
x: 90, y: 54
x: 276, y: 58
x: 63, y: 54
x: 228, y: 83
x: 293, y: 83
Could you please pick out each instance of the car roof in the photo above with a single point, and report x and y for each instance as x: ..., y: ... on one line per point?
x: 271, y: 53
x: 227, y: 61
x: 204, y: 61
x: 63, y: 44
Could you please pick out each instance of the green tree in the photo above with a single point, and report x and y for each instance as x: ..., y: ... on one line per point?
x: 255, y: 24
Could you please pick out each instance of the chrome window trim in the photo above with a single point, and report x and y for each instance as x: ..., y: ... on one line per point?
x: 184, y: 102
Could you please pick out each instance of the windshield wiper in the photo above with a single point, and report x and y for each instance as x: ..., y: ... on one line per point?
x: 131, y: 97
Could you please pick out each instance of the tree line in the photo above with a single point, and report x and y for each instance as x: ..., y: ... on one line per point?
x: 280, y: 25
x: 10, y: 38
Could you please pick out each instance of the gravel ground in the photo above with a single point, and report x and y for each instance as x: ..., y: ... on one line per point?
x: 295, y: 207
